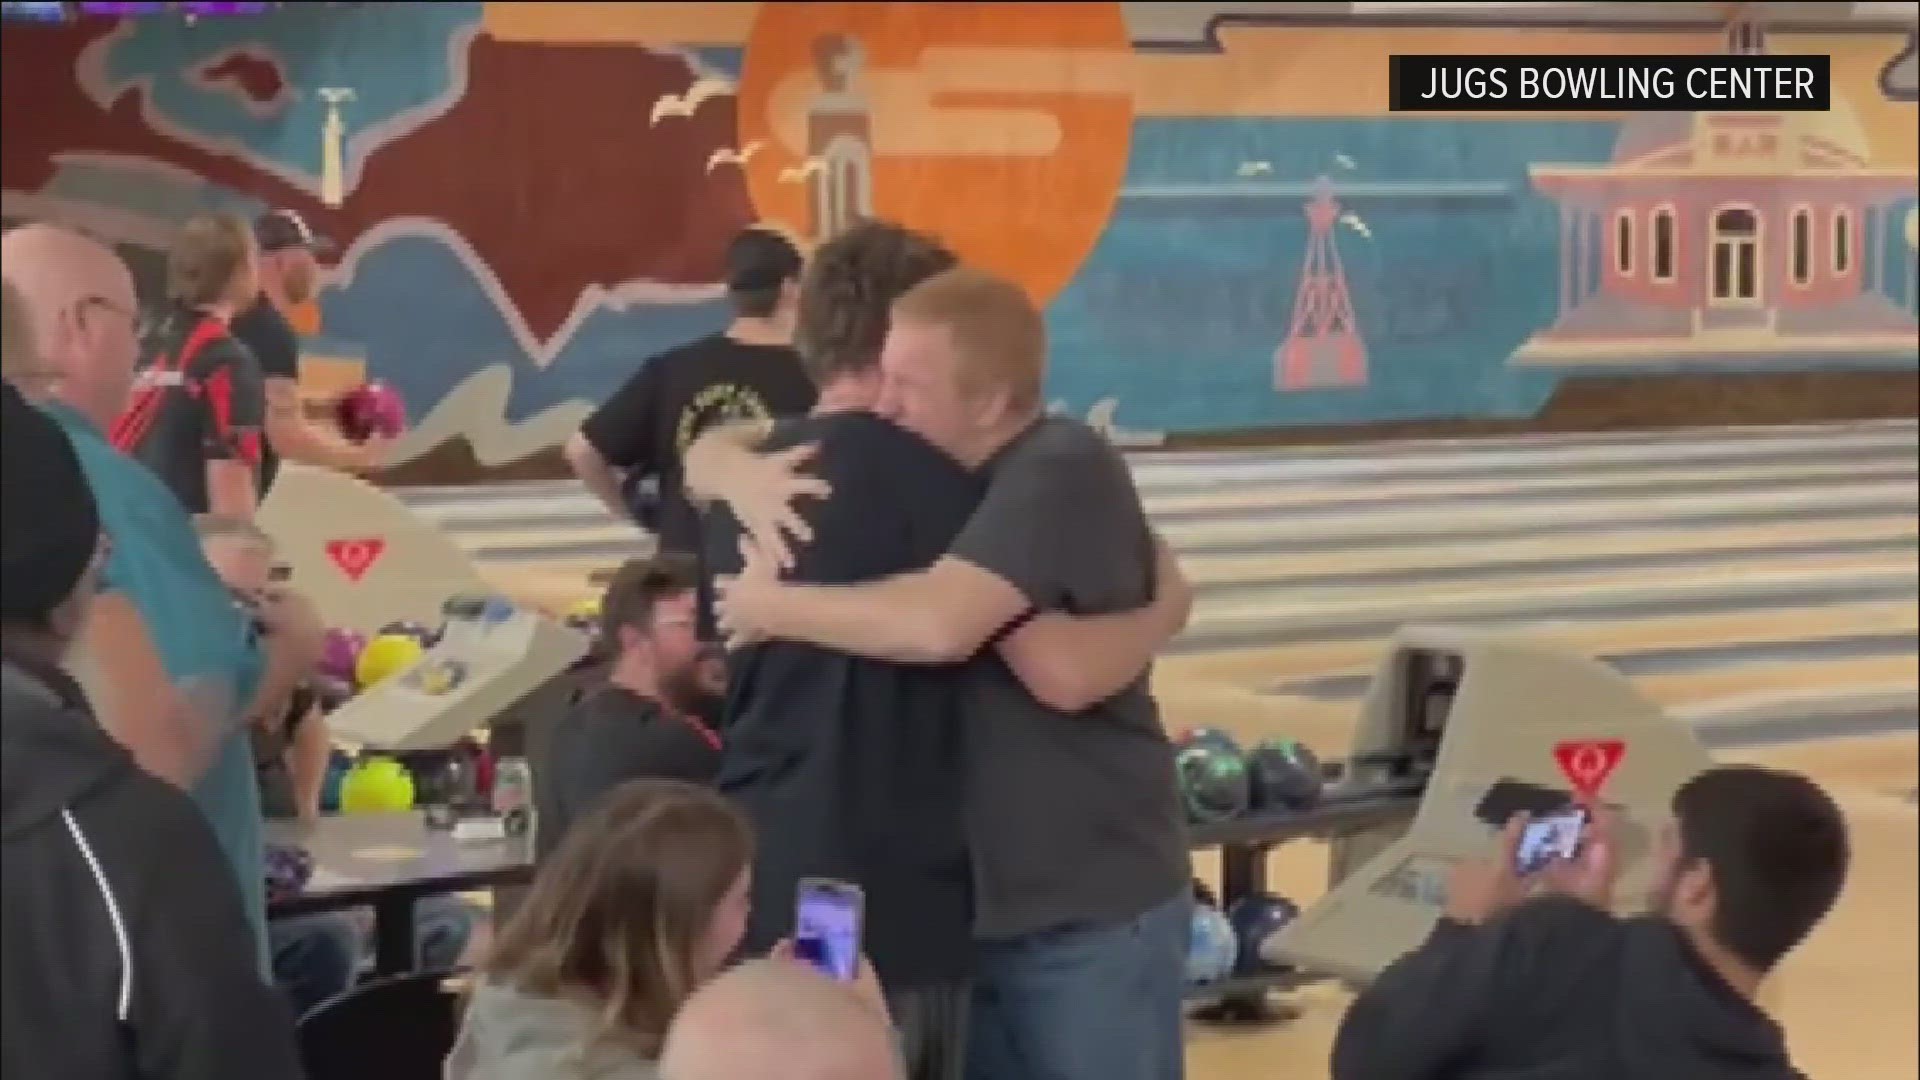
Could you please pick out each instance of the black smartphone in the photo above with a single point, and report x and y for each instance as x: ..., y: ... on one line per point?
x: 828, y: 915
x: 1507, y: 798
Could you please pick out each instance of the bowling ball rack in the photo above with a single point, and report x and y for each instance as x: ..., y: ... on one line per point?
x: 1346, y: 807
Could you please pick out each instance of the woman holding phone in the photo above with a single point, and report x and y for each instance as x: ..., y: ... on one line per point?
x: 645, y: 899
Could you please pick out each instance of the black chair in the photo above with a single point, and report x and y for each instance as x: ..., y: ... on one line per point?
x: 400, y: 1028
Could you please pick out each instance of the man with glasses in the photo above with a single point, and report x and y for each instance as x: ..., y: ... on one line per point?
x: 658, y: 713
x: 171, y: 665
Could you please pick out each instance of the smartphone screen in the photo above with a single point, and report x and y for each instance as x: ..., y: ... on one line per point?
x: 826, y: 930
x: 1550, y: 837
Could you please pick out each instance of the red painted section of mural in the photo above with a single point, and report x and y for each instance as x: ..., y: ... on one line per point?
x: 256, y: 76
x: 589, y: 194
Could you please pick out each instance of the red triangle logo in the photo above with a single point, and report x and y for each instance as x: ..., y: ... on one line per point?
x: 356, y: 557
x: 1588, y: 763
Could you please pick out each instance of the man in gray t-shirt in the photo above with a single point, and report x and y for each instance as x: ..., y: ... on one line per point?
x: 1079, y: 852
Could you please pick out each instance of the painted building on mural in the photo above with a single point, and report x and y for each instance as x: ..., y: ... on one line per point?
x: 1738, y: 235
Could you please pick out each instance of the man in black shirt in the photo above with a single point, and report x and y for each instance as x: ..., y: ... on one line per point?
x: 656, y: 716
x: 1555, y: 985
x: 197, y: 406
x: 747, y: 372
x: 289, y: 278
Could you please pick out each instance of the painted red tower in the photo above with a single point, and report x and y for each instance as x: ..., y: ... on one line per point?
x: 1323, y: 346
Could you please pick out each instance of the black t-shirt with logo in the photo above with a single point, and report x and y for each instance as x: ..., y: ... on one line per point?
x: 276, y: 349
x: 853, y: 768
x: 647, y: 425
x: 613, y: 735
x: 187, y: 411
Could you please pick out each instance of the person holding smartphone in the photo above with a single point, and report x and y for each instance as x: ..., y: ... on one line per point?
x: 1528, y: 972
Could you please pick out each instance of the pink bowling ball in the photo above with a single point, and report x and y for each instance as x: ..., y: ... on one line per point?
x: 372, y: 409
x: 340, y: 653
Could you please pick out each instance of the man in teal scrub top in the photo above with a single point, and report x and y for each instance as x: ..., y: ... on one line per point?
x: 172, y: 664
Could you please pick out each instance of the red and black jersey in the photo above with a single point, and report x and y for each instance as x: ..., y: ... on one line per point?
x: 198, y: 397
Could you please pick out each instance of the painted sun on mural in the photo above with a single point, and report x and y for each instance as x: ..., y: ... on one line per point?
x: 1227, y: 229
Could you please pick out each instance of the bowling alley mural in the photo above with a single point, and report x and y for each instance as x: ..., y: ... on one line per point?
x: 1228, y: 231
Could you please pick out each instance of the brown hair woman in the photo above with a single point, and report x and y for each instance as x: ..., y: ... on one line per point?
x: 645, y: 899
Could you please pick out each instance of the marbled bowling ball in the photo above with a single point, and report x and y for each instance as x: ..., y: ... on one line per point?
x: 289, y: 869
x: 371, y: 409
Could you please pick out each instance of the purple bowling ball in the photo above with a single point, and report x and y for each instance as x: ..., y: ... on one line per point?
x: 341, y: 653
x: 372, y: 409
x: 288, y: 871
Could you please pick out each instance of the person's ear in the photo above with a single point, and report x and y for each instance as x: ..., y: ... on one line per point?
x: 630, y: 637
x: 1695, y: 895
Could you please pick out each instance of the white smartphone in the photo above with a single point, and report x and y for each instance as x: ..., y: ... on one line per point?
x: 827, y: 926
x: 1550, y: 837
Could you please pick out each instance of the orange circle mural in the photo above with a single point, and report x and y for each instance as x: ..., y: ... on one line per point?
x: 1003, y: 132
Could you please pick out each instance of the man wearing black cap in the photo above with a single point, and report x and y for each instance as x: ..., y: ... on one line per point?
x: 289, y: 277
x: 749, y: 371
x: 124, y: 950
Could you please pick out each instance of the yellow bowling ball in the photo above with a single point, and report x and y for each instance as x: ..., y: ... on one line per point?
x: 385, y: 656
x: 376, y: 785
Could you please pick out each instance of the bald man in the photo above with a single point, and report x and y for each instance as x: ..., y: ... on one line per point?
x: 173, y: 666
x: 779, y: 1019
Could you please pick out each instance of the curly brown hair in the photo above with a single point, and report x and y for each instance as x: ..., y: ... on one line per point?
x: 615, y: 918
x: 848, y: 289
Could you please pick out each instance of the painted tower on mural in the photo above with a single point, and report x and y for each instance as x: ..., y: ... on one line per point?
x: 839, y: 139
x: 1323, y: 346
x: 1728, y: 237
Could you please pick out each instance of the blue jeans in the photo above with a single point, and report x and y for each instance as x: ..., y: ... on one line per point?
x: 315, y: 957
x: 1084, y: 1002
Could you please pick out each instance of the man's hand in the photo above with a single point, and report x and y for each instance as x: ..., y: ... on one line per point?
x: 740, y: 604
x: 763, y: 490
x: 1481, y: 888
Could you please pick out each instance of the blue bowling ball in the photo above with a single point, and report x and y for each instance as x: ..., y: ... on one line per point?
x: 1211, y: 946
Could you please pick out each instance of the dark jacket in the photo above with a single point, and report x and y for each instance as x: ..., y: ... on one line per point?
x: 123, y: 949
x: 1557, y: 990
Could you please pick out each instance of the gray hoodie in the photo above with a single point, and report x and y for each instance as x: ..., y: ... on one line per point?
x: 509, y: 1035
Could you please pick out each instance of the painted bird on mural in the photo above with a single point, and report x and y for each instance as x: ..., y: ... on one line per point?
x: 803, y: 172
x: 1344, y: 161
x: 1353, y: 221
x: 1256, y: 168
x: 727, y: 155
x: 685, y: 105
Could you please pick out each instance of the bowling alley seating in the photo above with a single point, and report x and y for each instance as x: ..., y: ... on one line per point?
x: 399, y: 1028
